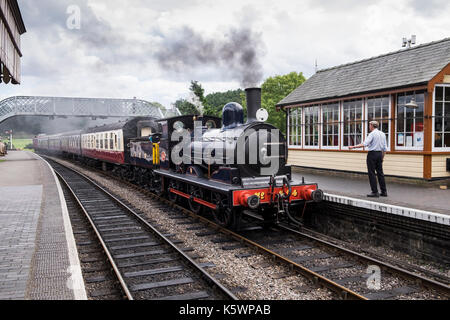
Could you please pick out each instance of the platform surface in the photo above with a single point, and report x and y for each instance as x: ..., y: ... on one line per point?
x: 37, y: 252
x: 419, y: 199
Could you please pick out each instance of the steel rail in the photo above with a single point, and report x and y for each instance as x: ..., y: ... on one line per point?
x: 206, y: 276
x: 426, y: 282
x: 317, y: 278
x: 99, y: 237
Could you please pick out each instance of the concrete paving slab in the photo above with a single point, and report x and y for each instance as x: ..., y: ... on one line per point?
x: 37, y: 249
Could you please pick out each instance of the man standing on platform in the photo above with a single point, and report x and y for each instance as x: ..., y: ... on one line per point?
x: 377, y: 146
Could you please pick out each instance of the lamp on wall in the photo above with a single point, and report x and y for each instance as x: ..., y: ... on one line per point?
x: 412, y: 104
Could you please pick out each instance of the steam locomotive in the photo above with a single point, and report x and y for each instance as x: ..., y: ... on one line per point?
x: 220, y: 166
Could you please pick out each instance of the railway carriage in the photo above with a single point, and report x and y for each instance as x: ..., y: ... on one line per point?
x: 55, y: 144
x: 71, y: 143
x: 40, y: 143
x: 146, y: 151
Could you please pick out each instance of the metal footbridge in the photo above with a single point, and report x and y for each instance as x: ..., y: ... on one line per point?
x: 59, y: 107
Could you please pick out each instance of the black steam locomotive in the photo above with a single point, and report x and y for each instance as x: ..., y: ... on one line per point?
x: 222, y: 166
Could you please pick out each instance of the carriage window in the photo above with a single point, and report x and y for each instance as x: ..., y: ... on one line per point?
x: 210, y: 124
x: 119, y: 143
x: 111, y: 141
x: 115, y: 142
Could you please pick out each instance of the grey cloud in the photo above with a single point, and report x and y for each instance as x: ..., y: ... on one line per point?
x: 235, y: 55
x: 238, y: 53
x: 334, y: 6
x: 429, y: 7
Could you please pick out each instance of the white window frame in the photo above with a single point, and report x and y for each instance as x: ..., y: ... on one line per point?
x: 363, y: 123
x: 441, y: 149
x: 404, y: 148
x: 120, y: 141
x: 319, y: 126
x: 296, y: 147
x: 337, y: 147
x: 366, y: 118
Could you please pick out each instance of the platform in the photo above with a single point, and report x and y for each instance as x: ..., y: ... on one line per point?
x: 38, y: 256
x: 418, y: 201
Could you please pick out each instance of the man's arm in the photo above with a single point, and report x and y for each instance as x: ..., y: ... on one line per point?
x: 364, y: 144
x: 357, y: 147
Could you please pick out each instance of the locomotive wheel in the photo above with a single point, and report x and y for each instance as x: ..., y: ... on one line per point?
x: 224, y: 217
x: 156, y: 184
x: 172, y: 196
x: 197, y: 193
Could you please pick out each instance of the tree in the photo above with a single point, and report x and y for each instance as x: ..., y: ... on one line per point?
x: 215, y: 102
x: 198, y: 91
x: 193, y: 105
x: 159, y: 105
x: 274, y: 89
x: 186, y: 107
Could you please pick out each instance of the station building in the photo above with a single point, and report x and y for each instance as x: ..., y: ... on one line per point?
x: 11, y: 29
x: 407, y: 91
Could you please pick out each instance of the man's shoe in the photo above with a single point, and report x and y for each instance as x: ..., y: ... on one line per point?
x: 373, y: 195
x: 384, y: 195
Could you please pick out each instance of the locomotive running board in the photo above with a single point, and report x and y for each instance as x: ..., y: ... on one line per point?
x: 203, y: 183
x: 200, y: 201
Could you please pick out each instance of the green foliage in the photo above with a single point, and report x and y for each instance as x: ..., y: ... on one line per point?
x: 159, y: 105
x: 198, y: 91
x: 22, y: 144
x: 186, y: 107
x: 215, y: 102
x: 274, y: 89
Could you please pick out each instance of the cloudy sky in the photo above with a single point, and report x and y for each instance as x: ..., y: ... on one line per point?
x: 151, y: 49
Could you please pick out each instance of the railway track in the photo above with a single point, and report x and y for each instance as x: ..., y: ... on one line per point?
x: 368, y: 278
x: 145, y: 262
x: 100, y: 280
x: 348, y: 274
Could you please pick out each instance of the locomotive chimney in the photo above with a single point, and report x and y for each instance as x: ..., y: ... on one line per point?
x: 253, y: 103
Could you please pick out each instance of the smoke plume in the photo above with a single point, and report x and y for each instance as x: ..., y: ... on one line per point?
x: 238, y: 52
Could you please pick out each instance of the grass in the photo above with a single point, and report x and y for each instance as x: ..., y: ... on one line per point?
x: 20, y: 144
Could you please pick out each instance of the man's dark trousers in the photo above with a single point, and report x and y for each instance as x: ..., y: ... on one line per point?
x: 375, y: 163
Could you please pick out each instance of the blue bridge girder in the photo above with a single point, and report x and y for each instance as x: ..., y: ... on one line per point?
x: 60, y: 107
